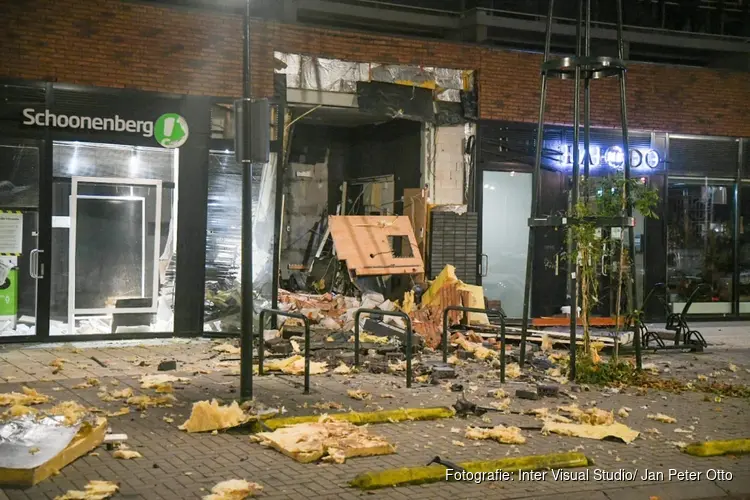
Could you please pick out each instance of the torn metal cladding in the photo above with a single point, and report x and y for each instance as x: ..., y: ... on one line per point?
x: 334, y: 75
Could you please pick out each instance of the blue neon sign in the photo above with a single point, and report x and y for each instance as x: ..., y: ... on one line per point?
x: 613, y: 157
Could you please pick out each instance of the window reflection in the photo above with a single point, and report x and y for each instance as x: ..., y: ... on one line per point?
x: 700, y: 250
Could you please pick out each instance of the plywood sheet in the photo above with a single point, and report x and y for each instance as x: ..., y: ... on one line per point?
x: 363, y: 243
x: 415, y: 207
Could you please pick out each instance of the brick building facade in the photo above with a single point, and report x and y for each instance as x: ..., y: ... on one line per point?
x: 181, y: 51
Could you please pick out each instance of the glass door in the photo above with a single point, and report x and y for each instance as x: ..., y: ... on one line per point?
x: 506, y: 208
x: 21, y: 269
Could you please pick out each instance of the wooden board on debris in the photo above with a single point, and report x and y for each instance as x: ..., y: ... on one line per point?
x: 366, y: 244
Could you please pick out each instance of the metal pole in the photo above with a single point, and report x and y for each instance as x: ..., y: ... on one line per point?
x: 246, y: 345
x: 632, y: 290
x: 573, y: 203
x: 536, y: 187
x: 587, y: 106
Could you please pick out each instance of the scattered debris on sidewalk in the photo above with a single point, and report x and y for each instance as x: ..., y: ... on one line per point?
x: 159, y: 379
x: 145, y: 401
x: 233, y: 489
x: 603, y: 431
x: 26, y: 397
x: 342, y: 369
x: 211, y: 416
x: 94, y: 490
x: 125, y: 454
x: 660, y: 417
x: 295, y: 365
x: 500, y: 433
x: 358, y: 394
x: 36, y: 444
x: 226, y: 349
x: 90, y: 382
x: 328, y: 439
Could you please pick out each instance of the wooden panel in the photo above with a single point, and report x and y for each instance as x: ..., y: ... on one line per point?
x: 565, y: 321
x: 415, y: 207
x: 363, y: 242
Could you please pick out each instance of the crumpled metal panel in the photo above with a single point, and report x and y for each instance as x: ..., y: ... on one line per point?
x: 19, y: 435
x: 318, y: 73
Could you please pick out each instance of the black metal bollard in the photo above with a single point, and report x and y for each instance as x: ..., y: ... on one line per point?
x: 261, y: 349
x: 488, y: 312
x: 409, y: 334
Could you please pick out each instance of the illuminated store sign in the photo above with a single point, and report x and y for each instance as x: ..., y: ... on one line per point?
x: 612, y: 157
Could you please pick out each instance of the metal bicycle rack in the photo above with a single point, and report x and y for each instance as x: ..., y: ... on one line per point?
x: 409, y: 334
x: 306, y: 321
x: 488, y: 312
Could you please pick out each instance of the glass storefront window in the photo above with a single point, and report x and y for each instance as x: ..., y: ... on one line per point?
x: 114, y: 234
x: 222, y: 299
x: 744, y: 253
x: 700, y: 244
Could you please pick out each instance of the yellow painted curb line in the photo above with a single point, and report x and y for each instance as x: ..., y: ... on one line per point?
x: 716, y: 448
x: 360, y: 418
x: 434, y: 473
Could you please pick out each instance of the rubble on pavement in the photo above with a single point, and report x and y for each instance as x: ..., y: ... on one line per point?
x: 233, y: 489
x: 94, y: 490
x: 26, y: 397
x: 326, y: 439
x: 211, y: 416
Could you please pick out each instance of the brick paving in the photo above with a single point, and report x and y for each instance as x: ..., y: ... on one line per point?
x: 180, y: 465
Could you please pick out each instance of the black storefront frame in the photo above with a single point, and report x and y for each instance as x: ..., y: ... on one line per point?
x: 192, y: 192
x: 516, y: 154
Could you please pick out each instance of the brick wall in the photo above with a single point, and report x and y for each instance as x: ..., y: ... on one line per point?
x: 120, y: 44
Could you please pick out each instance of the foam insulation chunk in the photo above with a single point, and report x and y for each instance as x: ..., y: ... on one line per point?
x: 592, y: 416
x: 371, y: 339
x: 212, y: 417
x: 226, y: 348
x: 94, y: 490
x: 328, y: 439
x: 154, y: 381
x: 16, y: 411
x: 72, y: 412
x: 26, y: 397
x: 616, y: 430
x: 660, y: 417
x: 358, y: 394
x: 512, y: 370
x: 500, y: 433
x: 295, y: 365
x: 145, y: 401
x: 126, y: 454
x: 233, y: 489
x: 122, y: 394
x: 342, y: 369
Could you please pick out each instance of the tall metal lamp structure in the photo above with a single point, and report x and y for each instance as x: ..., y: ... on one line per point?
x: 581, y: 68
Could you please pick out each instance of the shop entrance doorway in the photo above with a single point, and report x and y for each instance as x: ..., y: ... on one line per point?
x: 506, y: 208
x: 114, y: 247
x: 22, y: 269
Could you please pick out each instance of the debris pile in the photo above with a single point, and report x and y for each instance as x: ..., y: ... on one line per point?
x: 26, y: 397
x: 500, y: 433
x: 233, y: 489
x: 94, y: 490
x: 212, y: 417
x: 592, y: 423
x: 326, y: 439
